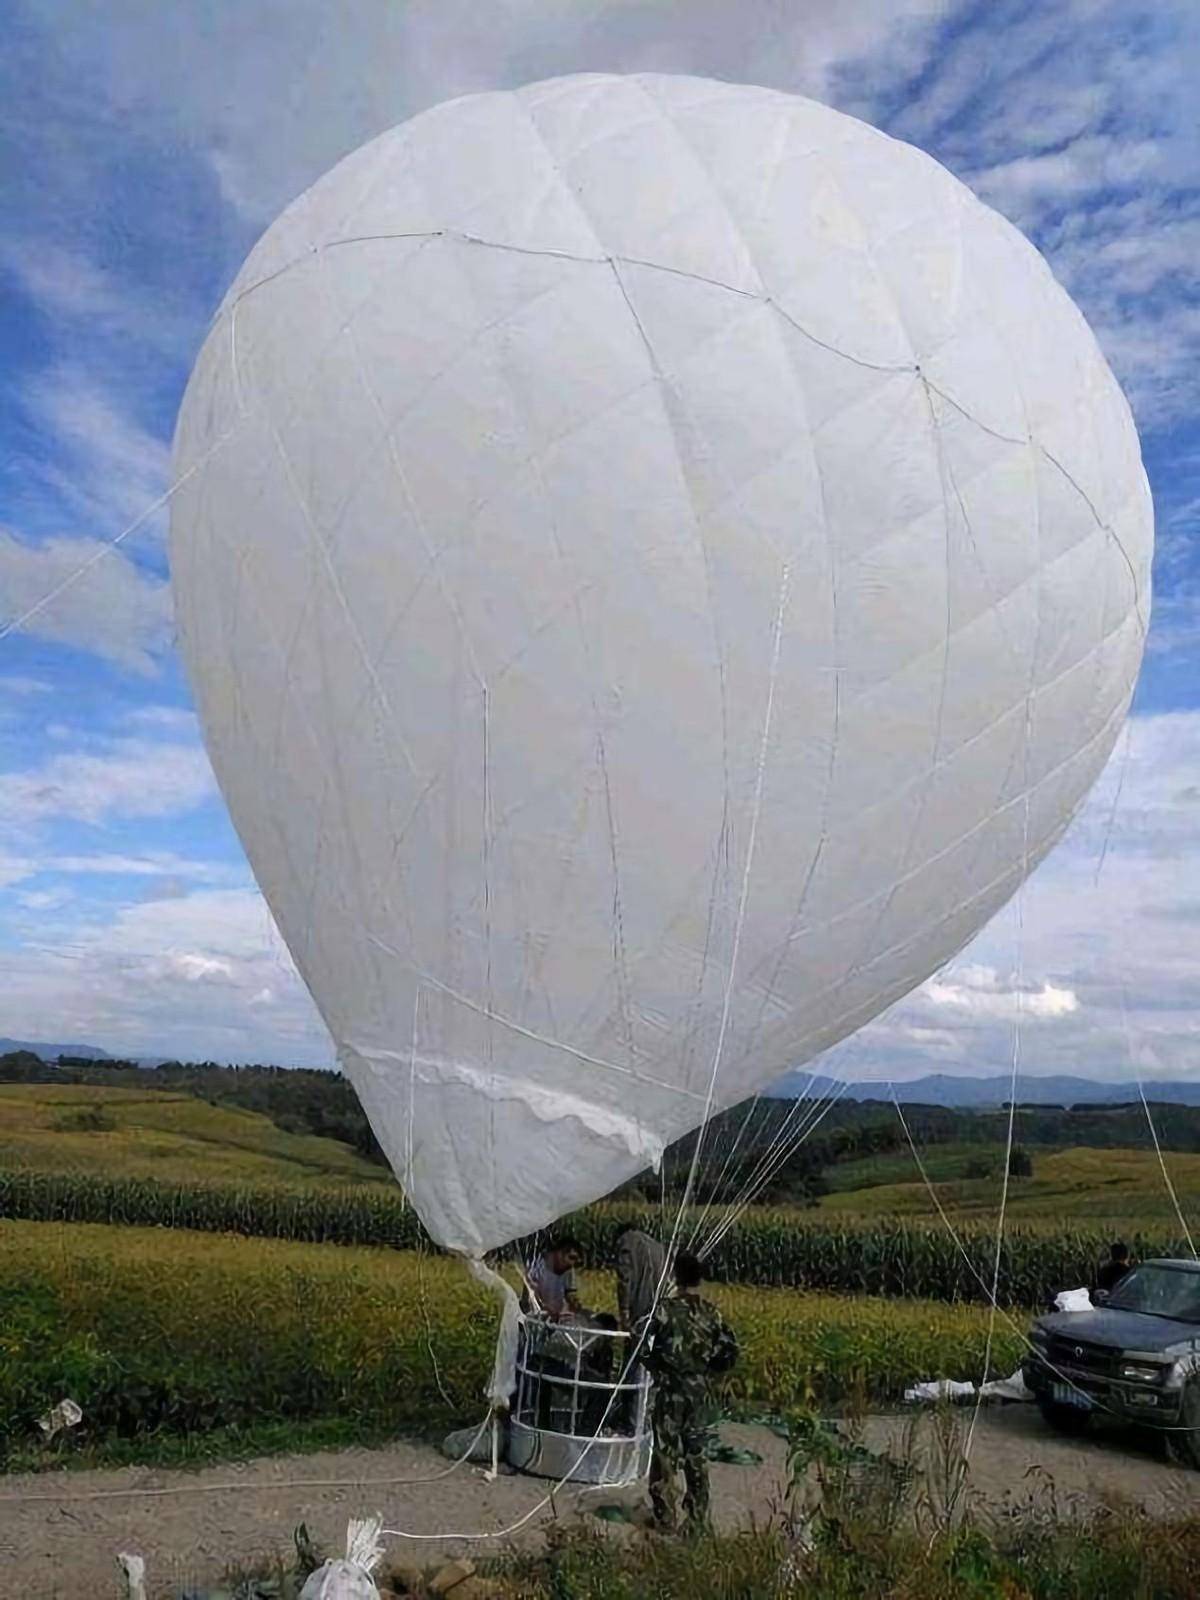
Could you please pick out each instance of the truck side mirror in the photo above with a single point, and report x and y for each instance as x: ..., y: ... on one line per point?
x: 1099, y: 1297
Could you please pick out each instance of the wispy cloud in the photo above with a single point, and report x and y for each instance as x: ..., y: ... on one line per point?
x: 68, y: 287
x: 1105, y: 953
x: 1077, y: 120
x: 104, y: 465
x: 200, y: 975
x: 15, y: 684
x: 118, y: 611
x: 128, y: 778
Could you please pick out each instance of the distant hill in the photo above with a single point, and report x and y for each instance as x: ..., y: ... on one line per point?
x: 940, y: 1089
x: 173, y: 1137
x: 51, y: 1052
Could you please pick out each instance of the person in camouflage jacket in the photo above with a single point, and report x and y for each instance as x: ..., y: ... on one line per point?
x: 690, y: 1341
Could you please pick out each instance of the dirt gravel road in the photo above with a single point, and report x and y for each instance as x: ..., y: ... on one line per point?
x: 60, y: 1533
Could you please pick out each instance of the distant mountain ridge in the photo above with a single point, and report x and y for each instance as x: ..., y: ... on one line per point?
x: 941, y: 1089
x: 935, y: 1089
x: 51, y: 1052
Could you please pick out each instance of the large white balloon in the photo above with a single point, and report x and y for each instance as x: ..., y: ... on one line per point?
x: 660, y: 563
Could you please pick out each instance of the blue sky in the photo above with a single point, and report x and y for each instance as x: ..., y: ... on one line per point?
x: 148, y: 146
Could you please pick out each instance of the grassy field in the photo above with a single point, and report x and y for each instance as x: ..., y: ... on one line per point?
x: 1119, y: 1189
x: 232, y: 1343
x: 945, y: 1163
x: 179, y: 1139
x: 175, y: 1138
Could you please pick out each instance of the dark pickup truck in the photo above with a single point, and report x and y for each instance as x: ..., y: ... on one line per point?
x: 1134, y: 1358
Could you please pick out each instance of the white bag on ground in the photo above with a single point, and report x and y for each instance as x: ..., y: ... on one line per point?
x: 1006, y: 1388
x: 1073, y: 1300
x: 349, y: 1577
x: 940, y: 1389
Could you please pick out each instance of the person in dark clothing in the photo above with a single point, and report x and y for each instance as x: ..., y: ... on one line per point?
x: 1114, y: 1269
x: 690, y: 1343
x: 596, y: 1366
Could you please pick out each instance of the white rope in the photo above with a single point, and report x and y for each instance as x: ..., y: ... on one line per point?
x: 14, y: 624
x: 1166, y: 1176
x: 513, y: 1527
x: 751, y: 1191
x: 822, y: 1106
x: 246, y: 1487
x: 755, y: 1102
x: 1008, y: 1149
x: 802, y: 1108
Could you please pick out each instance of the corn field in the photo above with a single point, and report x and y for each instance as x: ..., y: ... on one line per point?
x: 777, y: 1249
x: 159, y: 1336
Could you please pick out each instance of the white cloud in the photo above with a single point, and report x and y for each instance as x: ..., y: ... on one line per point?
x: 1107, y: 940
x: 12, y: 684
x: 1095, y: 162
x: 107, y: 467
x: 981, y: 992
x: 205, y: 75
x: 1078, y: 121
x: 127, y: 778
x: 66, y: 285
x: 191, y: 966
x: 202, y: 976
x: 45, y: 899
x: 169, y: 874
x: 114, y: 609
x: 170, y: 719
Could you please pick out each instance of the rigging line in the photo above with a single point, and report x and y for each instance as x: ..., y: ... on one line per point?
x: 247, y: 1487
x: 1131, y: 1053
x: 782, y: 1148
x: 806, y: 1106
x: 672, y: 1245
x: 1015, y: 1327
x: 755, y: 1102
x: 803, y: 1106
x: 1116, y: 805
x: 748, y: 1198
x: 110, y: 545
x: 406, y: 1190
x: 1166, y: 1176
x: 1008, y: 1149
x: 1125, y: 1026
x: 821, y: 1107
x: 743, y: 899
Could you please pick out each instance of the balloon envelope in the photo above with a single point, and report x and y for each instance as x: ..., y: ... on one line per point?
x: 659, y: 563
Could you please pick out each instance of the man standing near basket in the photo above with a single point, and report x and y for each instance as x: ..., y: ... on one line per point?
x: 690, y: 1342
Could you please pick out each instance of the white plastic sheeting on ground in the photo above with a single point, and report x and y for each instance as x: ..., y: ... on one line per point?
x: 659, y: 562
x: 940, y: 1389
x: 931, y: 1391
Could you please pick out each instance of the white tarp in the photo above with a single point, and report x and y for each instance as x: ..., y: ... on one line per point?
x: 1073, y: 1300
x: 939, y: 1389
x: 659, y: 562
x: 932, y: 1391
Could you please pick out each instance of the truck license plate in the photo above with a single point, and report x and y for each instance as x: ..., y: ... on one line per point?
x: 1066, y: 1394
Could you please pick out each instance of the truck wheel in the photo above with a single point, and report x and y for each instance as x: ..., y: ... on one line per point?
x: 1068, y: 1420
x: 1183, y: 1441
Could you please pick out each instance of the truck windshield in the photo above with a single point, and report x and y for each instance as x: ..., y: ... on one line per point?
x: 1160, y: 1292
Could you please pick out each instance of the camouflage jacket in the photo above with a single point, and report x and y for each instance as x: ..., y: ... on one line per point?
x: 691, y: 1341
